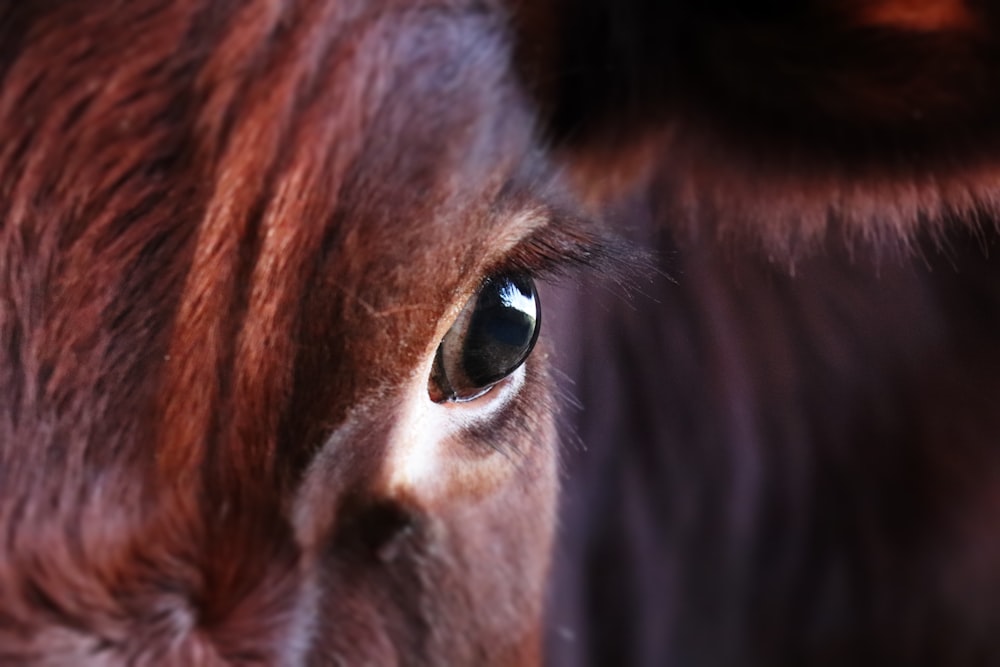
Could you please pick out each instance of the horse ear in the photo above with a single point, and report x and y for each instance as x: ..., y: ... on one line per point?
x: 600, y: 69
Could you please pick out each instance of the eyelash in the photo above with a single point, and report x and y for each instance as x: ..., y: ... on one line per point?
x: 557, y: 252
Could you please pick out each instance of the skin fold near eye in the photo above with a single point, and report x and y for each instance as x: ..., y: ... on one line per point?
x: 490, y: 339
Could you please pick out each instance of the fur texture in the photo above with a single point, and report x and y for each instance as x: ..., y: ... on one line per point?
x: 232, y: 236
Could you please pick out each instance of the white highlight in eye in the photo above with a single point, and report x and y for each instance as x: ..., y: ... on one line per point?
x: 515, y: 299
x: 424, y: 430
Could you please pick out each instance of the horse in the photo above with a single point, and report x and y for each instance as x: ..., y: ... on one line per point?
x: 268, y: 287
x: 273, y: 384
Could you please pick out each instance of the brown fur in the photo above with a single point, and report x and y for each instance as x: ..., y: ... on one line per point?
x: 230, y: 232
x: 233, y: 233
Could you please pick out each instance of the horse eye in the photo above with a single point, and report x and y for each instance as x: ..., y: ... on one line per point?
x: 490, y: 339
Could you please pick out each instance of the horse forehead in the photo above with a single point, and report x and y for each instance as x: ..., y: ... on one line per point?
x: 433, y: 199
x: 445, y: 137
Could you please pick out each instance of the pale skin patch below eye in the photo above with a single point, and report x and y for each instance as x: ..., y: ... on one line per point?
x: 420, y: 457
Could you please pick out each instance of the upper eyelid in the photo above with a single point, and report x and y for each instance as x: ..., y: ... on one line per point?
x: 550, y: 248
x: 568, y: 244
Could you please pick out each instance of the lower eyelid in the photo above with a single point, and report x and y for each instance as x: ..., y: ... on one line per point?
x: 486, y: 405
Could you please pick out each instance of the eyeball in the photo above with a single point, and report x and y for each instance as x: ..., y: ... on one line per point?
x: 490, y: 339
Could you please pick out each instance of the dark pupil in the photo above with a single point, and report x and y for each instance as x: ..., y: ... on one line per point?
x: 502, y: 329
